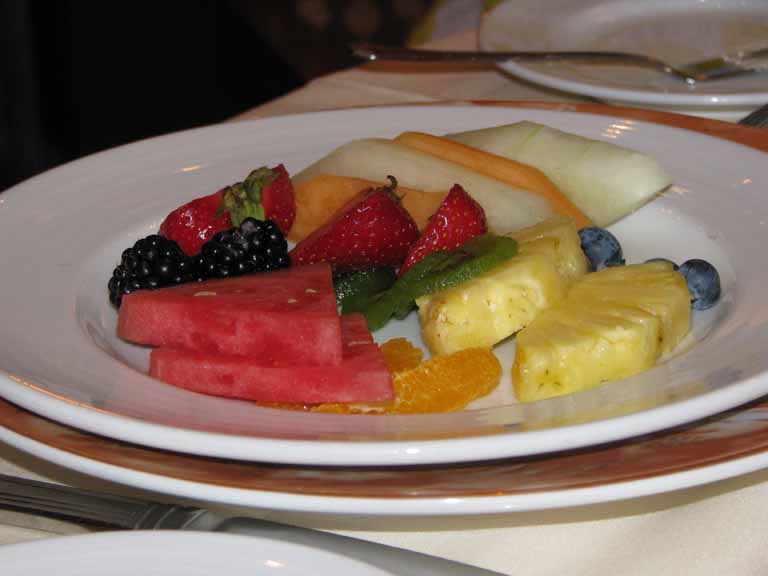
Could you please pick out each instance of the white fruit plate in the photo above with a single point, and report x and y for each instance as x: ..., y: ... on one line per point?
x: 64, y: 231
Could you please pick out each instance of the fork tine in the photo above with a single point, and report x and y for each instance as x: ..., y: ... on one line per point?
x: 757, y: 119
x: 42, y: 497
x: 710, y: 69
x: 739, y: 63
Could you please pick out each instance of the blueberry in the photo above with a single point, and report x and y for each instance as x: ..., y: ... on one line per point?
x: 601, y: 248
x: 674, y: 266
x: 703, y: 283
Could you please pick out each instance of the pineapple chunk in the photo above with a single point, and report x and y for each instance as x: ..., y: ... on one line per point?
x: 568, y: 349
x: 491, y: 307
x: 557, y: 237
x: 663, y: 293
x: 613, y: 324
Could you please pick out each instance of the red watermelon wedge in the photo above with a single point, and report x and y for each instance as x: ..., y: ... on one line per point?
x: 283, y: 316
x: 362, y: 376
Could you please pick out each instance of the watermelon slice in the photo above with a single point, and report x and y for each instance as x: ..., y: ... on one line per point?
x: 287, y: 316
x: 362, y: 376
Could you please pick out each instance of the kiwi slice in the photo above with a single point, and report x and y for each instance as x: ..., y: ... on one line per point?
x: 436, y: 272
x: 355, y: 289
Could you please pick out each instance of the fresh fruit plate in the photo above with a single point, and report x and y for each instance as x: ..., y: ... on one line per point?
x: 65, y: 232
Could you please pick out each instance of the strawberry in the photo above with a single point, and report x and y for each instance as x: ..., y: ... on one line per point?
x: 278, y: 200
x: 459, y: 218
x: 196, y: 222
x: 267, y: 193
x: 372, y: 229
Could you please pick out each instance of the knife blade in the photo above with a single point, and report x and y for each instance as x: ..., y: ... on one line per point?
x: 134, y: 514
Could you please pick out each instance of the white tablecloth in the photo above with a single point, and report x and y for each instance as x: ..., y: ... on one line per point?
x: 711, y: 530
x: 405, y: 83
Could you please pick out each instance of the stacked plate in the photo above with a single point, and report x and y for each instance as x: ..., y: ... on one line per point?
x: 676, y: 31
x: 77, y: 395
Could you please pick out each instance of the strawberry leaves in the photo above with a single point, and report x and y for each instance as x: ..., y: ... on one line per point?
x: 243, y: 199
x: 265, y: 194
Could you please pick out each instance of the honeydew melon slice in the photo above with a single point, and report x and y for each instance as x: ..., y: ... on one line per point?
x: 604, y: 180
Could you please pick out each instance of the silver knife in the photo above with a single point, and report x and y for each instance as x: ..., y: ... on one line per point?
x: 133, y: 514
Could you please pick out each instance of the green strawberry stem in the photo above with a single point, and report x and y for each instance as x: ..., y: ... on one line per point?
x: 243, y: 199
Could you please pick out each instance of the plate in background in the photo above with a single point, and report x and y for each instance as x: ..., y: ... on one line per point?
x: 677, y: 31
x: 173, y: 553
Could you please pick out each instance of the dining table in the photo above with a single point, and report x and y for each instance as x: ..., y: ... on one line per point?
x: 713, y: 528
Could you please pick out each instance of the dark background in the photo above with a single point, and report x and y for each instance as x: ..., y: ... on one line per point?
x: 79, y: 76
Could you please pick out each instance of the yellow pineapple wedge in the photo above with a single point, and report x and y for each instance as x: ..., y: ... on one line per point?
x: 491, y: 307
x: 653, y: 287
x: 613, y: 324
x: 567, y: 349
x: 557, y: 238
x: 495, y: 305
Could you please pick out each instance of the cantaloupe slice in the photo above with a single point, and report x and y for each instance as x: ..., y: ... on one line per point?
x: 504, y: 169
x: 318, y: 198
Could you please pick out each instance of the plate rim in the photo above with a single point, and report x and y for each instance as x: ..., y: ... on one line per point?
x: 396, y: 449
x: 123, y: 541
x: 690, y: 476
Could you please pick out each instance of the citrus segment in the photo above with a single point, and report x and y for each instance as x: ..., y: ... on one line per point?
x: 440, y: 384
x: 446, y: 383
x: 401, y: 355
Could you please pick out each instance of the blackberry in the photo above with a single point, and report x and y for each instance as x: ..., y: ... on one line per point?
x: 156, y: 261
x: 152, y: 262
x: 254, y: 246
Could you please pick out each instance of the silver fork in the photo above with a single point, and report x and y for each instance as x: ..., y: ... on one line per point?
x: 757, y: 119
x: 133, y: 514
x: 702, y: 71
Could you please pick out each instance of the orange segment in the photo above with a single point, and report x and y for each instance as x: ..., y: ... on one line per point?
x: 446, y: 383
x: 440, y: 384
x: 400, y: 354
x: 371, y: 409
x: 285, y: 406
